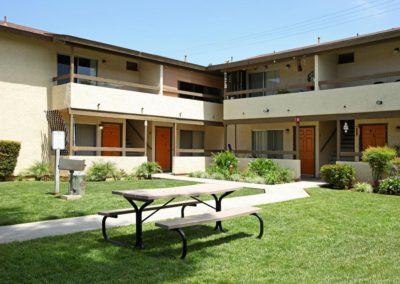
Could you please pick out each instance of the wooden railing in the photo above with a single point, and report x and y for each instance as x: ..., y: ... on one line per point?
x: 328, y: 140
x: 106, y: 149
x: 106, y: 82
x: 193, y: 94
x: 266, y: 152
x: 360, y: 78
x: 197, y: 151
x: 276, y: 88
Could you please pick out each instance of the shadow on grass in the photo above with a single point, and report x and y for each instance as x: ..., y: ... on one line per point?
x: 167, y: 243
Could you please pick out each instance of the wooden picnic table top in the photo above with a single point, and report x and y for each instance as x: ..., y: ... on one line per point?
x: 179, y: 191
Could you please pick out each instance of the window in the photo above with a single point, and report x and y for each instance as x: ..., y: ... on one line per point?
x: 85, y: 135
x: 213, y: 94
x: 346, y: 58
x: 268, y: 140
x: 191, y: 140
x: 131, y: 66
x: 260, y: 80
x: 82, y: 66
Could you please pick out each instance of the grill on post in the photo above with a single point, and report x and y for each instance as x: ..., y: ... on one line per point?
x: 71, y: 166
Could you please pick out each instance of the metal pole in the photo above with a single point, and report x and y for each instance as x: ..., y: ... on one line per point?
x: 57, y: 173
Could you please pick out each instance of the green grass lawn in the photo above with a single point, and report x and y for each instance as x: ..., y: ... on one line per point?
x: 332, y: 237
x: 30, y: 201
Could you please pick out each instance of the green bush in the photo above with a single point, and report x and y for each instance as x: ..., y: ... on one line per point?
x: 199, y: 174
x: 147, y: 169
x: 378, y: 159
x: 363, y: 187
x: 9, y: 151
x: 395, y: 166
x: 338, y: 176
x: 224, y: 163
x: 217, y: 176
x: 236, y: 177
x: 39, y: 170
x: 100, y: 171
x: 255, y: 179
x: 269, y: 170
x: 390, y: 185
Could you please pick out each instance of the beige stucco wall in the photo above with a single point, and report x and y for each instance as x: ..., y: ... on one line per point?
x: 185, y: 165
x: 128, y: 164
x: 363, y: 171
x: 26, y: 68
x: 325, y: 102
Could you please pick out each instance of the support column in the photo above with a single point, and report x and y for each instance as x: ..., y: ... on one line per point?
x: 145, y: 138
x: 297, y: 140
x: 124, y: 138
x: 71, y: 134
x: 225, y: 137
x: 235, y: 137
x: 71, y: 65
x: 316, y: 72
x: 338, y: 140
x: 174, y: 151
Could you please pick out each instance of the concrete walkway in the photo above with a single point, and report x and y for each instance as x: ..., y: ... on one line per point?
x: 273, y: 193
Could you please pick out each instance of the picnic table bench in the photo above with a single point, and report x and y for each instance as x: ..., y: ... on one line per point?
x: 148, y: 196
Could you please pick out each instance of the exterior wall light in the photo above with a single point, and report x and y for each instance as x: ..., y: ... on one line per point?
x: 101, y: 126
x: 266, y: 110
x: 396, y: 50
x: 345, y: 127
x: 379, y: 102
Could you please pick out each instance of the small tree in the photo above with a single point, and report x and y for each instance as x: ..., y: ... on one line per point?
x: 378, y: 159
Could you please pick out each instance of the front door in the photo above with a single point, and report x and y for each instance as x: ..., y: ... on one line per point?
x: 307, y: 150
x: 163, y: 147
x: 373, y: 136
x: 111, y: 137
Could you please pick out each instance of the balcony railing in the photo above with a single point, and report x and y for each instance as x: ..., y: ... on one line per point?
x: 378, y: 78
x: 275, y: 90
x: 105, y: 82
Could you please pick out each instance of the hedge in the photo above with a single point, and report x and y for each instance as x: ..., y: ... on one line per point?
x: 9, y: 151
x: 338, y: 176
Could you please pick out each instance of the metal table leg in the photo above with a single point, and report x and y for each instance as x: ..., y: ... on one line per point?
x: 218, y: 207
x: 138, y: 214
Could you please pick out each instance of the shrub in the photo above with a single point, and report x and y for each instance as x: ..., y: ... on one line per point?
x: 363, y: 187
x: 390, y: 185
x: 9, y: 151
x: 147, y: 169
x: 395, y: 166
x: 235, y: 177
x: 39, y: 170
x: 269, y: 170
x: 225, y: 163
x: 255, y: 179
x: 378, y: 159
x: 217, y: 176
x: 338, y: 176
x: 199, y: 174
x: 100, y: 171
x: 262, y: 167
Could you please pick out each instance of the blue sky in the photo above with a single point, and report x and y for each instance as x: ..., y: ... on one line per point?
x: 208, y: 31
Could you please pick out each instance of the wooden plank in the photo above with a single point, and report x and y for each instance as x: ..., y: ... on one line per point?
x: 297, y: 140
x: 116, y: 82
x: 350, y: 154
x: 62, y: 77
x: 207, y: 218
x: 338, y: 140
x: 194, y: 94
x: 360, y: 78
x: 172, y: 192
x: 145, y: 138
x: 266, y: 152
x: 148, y: 208
x: 107, y: 149
x: 276, y: 88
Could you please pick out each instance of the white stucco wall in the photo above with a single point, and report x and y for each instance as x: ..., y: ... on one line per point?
x: 128, y: 164
x: 363, y: 170
x: 185, y: 165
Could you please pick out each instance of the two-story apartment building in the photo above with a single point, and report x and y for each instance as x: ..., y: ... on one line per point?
x: 307, y: 106
x: 318, y: 104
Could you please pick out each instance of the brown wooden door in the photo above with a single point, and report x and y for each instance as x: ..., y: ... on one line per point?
x: 111, y: 137
x: 307, y: 150
x: 163, y: 147
x: 373, y: 136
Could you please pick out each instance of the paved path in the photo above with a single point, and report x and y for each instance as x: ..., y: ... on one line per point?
x: 273, y: 193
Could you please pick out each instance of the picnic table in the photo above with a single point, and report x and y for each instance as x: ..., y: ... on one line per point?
x: 148, y: 196
x: 141, y: 200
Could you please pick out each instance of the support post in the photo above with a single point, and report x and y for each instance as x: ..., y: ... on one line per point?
x: 175, y: 152
x: 338, y: 140
x: 235, y: 137
x: 145, y: 138
x: 225, y: 137
x: 71, y: 66
x: 71, y: 134
x: 124, y: 138
x: 298, y: 140
x: 57, y: 173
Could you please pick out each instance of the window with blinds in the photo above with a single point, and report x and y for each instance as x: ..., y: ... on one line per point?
x: 190, y: 139
x: 267, y: 140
